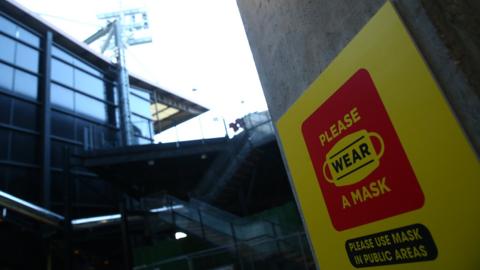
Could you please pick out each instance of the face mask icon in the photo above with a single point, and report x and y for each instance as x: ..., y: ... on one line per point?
x: 352, y: 158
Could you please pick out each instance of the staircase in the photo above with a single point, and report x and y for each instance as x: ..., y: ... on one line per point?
x: 253, y: 245
x: 235, y: 166
x: 206, y: 222
x: 250, y: 244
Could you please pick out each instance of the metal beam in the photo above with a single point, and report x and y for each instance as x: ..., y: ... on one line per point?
x: 123, y: 86
x: 46, y: 119
x: 107, y: 41
x: 100, y: 33
x: 127, y: 249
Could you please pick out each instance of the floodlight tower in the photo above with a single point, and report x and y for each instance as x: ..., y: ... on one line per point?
x: 123, y: 31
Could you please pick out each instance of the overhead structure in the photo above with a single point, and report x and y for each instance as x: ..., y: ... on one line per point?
x: 123, y: 33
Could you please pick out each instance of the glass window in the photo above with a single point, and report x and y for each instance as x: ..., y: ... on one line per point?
x: 24, y: 183
x: 62, y: 55
x: 6, y: 77
x: 27, y: 58
x: 111, y: 137
x: 26, y: 84
x: 83, y: 130
x: 57, y: 52
x: 5, y: 109
x: 4, y: 134
x: 25, y: 115
x: 7, y: 49
x: 99, y: 136
x: 140, y: 106
x: 61, y: 96
x: 57, y: 154
x: 24, y: 148
x: 141, y: 126
x: 89, y: 84
x: 62, y: 72
x: 7, y: 26
x: 115, y: 95
x: 3, y: 176
x: 27, y: 37
x: 141, y: 93
x: 86, y: 67
x: 90, y: 107
x: 62, y: 125
x: 117, y: 118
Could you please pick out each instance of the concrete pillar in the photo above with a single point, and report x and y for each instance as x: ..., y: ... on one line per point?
x: 293, y: 41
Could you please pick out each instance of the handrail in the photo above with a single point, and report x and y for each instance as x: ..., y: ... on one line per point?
x: 29, y: 209
x: 216, y: 250
x: 236, y: 229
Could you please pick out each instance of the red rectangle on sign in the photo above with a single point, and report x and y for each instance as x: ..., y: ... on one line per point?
x: 361, y: 167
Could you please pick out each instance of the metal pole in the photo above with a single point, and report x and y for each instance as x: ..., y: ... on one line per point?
x: 125, y: 235
x: 171, y: 211
x: 190, y: 264
x: 225, y: 127
x: 68, y: 209
x: 237, y: 251
x: 201, y: 223
x: 123, y: 84
x: 275, y: 235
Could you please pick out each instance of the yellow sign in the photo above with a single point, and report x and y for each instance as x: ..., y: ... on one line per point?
x: 383, y: 172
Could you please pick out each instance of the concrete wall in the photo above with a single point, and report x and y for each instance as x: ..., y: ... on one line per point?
x: 293, y: 41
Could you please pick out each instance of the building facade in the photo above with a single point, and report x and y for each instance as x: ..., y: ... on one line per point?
x: 55, y: 94
x: 67, y: 177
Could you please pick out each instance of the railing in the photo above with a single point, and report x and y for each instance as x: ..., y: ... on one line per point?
x: 239, y: 237
x: 239, y: 229
x: 31, y: 210
x: 290, y: 251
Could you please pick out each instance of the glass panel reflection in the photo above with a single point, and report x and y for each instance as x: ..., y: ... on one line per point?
x: 62, y: 55
x: 86, y: 67
x: 141, y: 93
x: 27, y: 37
x: 27, y: 58
x: 62, y: 72
x: 61, y: 96
x: 6, y: 77
x: 19, y: 32
x: 141, y: 126
x: 7, y: 49
x: 140, y: 106
x: 90, y: 107
x: 7, y: 26
x: 26, y: 84
x: 89, y: 84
